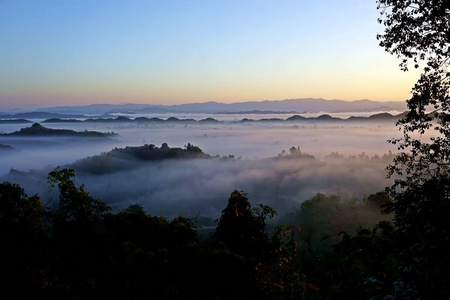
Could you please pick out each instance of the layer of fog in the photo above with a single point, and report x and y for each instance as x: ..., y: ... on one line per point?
x: 203, y: 186
x: 248, y: 140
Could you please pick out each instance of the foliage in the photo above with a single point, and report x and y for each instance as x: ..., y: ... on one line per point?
x: 120, y: 159
x: 18, y: 210
x: 191, y: 148
x: 423, y: 208
x: 81, y: 250
x: 354, y: 268
x: 270, y: 261
x: 295, y: 153
x: 75, y: 203
x: 378, y: 261
x: 419, y: 30
x: 21, y: 225
x: 323, y: 217
x: 241, y: 230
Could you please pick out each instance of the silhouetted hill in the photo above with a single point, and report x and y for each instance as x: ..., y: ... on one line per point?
x: 296, y: 118
x: 14, y: 121
x: 38, y: 130
x: 59, y: 120
x: 381, y: 117
x: 144, y: 119
x: 325, y: 118
x: 209, y: 120
x: 127, y: 158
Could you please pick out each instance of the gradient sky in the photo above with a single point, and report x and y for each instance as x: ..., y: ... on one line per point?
x: 73, y: 52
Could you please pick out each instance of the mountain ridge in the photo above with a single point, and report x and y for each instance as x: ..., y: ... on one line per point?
x: 377, y: 117
x: 301, y: 105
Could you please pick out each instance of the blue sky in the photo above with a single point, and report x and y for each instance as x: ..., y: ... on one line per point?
x: 169, y: 52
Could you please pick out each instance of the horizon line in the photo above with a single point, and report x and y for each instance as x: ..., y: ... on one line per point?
x: 188, y: 103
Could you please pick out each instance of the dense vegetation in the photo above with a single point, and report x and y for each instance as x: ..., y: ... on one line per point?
x: 83, y: 250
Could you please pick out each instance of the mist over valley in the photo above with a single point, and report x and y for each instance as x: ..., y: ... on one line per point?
x: 280, y: 162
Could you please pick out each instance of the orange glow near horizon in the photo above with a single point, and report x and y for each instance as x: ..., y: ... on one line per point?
x: 178, y: 93
x: 241, y: 52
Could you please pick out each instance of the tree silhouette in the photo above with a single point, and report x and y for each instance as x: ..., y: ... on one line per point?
x: 240, y: 229
x: 18, y: 212
x: 21, y: 236
x: 75, y: 203
x: 418, y: 31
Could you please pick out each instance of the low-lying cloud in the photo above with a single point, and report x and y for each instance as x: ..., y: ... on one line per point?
x: 202, y: 186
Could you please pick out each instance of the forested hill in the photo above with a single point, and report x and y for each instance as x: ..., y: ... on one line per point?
x: 127, y: 158
x: 37, y: 130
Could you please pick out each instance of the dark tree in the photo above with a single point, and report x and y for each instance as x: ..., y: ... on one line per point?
x: 192, y: 148
x: 418, y: 32
x: 241, y: 231
x: 268, y: 257
x: 75, y: 203
x: 18, y: 212
x: 21, y: 235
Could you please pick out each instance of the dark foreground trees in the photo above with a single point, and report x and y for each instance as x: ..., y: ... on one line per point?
x: 21, y: 236
x: 81, y: 250
x: 270, y: 260
x: 418, y: 32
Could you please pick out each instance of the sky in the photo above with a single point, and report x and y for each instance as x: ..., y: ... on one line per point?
x: 77, y: 52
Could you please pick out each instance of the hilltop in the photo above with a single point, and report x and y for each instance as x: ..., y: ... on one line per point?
x: 127, y: 158
x: 37, y: 130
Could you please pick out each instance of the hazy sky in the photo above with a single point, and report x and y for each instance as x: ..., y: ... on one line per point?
x: 169, y: 52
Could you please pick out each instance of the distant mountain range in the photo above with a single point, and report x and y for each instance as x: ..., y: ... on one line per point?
x: 304, y: 105
x: 379, y: 117
x: 292, y: 105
